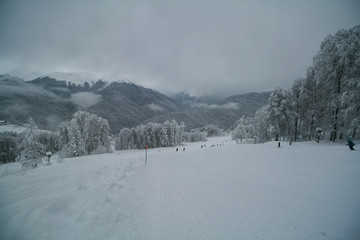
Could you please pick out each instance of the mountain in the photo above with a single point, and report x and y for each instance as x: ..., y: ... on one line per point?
x: 201, y: 111
x: 124, y: 104
x: 49, y: 102
x: 20, y: 99
x: 127, y: 105
x: 247, y: 103
x: 78, y: 78
x: 25, y: 73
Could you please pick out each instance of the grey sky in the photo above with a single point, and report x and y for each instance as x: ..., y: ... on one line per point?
x: 207, y: 47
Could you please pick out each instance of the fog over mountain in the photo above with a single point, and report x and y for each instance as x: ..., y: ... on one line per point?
x: 124, y: 104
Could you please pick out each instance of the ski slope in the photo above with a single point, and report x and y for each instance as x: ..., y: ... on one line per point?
x: 232, y: 191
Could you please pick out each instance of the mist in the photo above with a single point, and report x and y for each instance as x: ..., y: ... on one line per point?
x: 207, y: 47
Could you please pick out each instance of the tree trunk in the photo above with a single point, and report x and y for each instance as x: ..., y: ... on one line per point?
x: 296, y: 128
x: 354, y: 133
x: 311, y: 127
x: 334, y: 132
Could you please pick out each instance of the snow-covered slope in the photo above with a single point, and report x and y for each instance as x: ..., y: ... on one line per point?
x: 233, y: 191
x: 25, y: 73
x: 78, y: 78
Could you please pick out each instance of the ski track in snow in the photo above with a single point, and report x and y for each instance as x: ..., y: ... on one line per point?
x: 233, y: 191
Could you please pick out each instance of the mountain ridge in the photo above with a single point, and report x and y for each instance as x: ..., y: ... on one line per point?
x: 124, y: 104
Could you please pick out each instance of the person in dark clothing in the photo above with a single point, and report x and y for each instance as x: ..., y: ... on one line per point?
x: 350, y: 144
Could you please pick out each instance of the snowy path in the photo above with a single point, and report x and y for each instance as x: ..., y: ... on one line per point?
x: 233, y: 191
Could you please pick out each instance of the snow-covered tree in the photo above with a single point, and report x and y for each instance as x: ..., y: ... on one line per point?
x: 279, y: 110
x: 194, y: 136
x: 327, y: 99
x: 8, y: 146
x: 335, y: 65
x: 244, y: 129
x: 124, y: 141
x: 31, y: 150
x: 85, y: 134
x: 297, y: 108
x: 153, y: 134
x: 211, y: 129
x: 350, y: 104
x: 262, y: 124
x: 50, y: 141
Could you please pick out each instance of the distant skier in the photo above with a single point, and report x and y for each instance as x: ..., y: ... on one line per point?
x: 183, y: 149
x: 177, y: 149
x: 350, y: 144
x: 278, y: 144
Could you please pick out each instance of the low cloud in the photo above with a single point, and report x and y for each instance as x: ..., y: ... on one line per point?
x: 229, y: 105
x: 14, y: 86
x: 85, y: 99
x: 156, y: 108
x: 15, y: 110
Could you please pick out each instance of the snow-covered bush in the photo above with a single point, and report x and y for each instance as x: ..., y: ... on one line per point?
x: 85, y: 134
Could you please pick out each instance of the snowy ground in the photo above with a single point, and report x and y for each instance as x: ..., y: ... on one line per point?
x: 233, y: 191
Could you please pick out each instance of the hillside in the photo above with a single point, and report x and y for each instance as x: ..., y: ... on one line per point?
x: 47, y: 106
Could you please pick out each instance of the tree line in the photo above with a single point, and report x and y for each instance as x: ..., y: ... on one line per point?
x: 87, y: 134
x: 84, y: 134
x: 153, y: 135
x: 325, y: 104
x: 166, y: 134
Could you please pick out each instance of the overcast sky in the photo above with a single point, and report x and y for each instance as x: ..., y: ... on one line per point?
x: 206, y: 47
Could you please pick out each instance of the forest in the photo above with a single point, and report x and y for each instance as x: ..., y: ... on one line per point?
x: 324, y: 105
